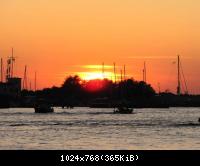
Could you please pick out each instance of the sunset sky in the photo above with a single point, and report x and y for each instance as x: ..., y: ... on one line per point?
x: 57, y: 38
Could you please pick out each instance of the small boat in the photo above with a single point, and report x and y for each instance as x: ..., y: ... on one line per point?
x: 44, y: 108
x: 123, y: 110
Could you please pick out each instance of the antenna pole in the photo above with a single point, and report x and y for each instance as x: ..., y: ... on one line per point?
x: 8, y: 70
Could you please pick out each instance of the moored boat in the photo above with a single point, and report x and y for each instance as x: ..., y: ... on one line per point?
x: 43, y: 108
x: 123, y: 110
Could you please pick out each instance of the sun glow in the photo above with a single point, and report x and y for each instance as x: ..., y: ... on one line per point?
x: 97, y: 67
x: 96, y: 75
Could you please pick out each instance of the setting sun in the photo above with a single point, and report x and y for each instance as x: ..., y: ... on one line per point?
x: 95, y: 75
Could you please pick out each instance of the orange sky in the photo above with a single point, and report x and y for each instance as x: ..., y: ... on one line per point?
x: 59, y: 37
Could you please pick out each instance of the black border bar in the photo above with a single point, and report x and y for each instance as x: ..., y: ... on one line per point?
x: 97, y: 157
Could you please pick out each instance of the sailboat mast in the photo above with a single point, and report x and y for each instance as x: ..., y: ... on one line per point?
x: 35, y: 82
x: 121, y: 75
x: 103, y: 70
x: 144, y: 73
x: 12, y: 63
x: 124, y: 72
x: 114, y: 72
x: 1, y: 70
x: 30, y: 88
x: 25, y: 78
x: 179, y: 84
x: 159, y: 88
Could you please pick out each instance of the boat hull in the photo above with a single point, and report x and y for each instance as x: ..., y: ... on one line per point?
x: 44, y: 110
x: 123, y: 111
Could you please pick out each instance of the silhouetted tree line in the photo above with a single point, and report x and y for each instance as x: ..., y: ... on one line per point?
x: 79, y: 92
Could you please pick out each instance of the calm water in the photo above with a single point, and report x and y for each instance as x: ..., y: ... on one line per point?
x: 88, y: 128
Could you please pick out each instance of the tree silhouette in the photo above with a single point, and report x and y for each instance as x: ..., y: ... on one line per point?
x: 76, y: 91
x: 71, y: 90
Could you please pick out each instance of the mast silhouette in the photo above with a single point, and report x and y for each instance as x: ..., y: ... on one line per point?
x: 179, y: 77
x: 144, y: 72
x: 114, y: 72
x: 30, y: 86
x: 10, y: 66
x: 12, y: 63
x: 1, y: 70
x: 25, y: 78
x: 159, y: 88
x: 35, y: 80
x: 121, y: 75
x: 103, y: 70
x: 124, y: 72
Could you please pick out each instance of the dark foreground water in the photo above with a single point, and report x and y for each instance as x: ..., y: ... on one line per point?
x: 89, y: 128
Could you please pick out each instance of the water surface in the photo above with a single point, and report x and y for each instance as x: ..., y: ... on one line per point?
x: 97, y: 128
